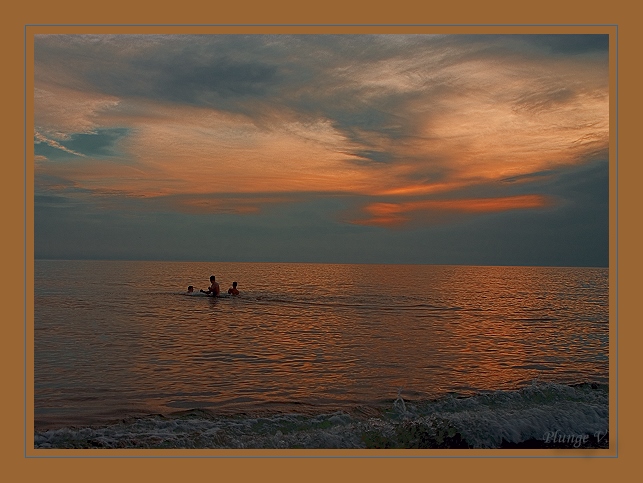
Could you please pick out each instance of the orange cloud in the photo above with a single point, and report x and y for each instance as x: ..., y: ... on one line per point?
x: 396, y: 214
x: 439, y: 126
x: 420, y: 189
x: 235, y: 205
x: 60, y: 111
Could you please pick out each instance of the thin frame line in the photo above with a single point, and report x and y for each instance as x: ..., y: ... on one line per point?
x: 25, y: 239
x: 26, y: 26
x: 323, y: 25
x: 616, y: 237
x: 324, y: 456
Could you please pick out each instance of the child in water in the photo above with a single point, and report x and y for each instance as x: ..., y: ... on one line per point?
x: 233, y: 290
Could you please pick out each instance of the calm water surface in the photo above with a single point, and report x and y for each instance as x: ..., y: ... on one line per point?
x: 115, y: 339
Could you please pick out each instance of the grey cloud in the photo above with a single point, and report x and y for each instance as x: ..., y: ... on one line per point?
x: 566, y: 44
x: 181, y: 66
x: 369, y: 157
x: 531, y: 45
x: 529, y: 176
x: 43, y: 200
x: 586, y: 184
x: 182, y: 79
x: 193, y: 69
x: 233, y: 72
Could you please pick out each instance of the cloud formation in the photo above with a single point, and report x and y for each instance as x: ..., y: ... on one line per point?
x: 401, y: 130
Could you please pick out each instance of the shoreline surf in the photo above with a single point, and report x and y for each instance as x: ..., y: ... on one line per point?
x: 539, y: 416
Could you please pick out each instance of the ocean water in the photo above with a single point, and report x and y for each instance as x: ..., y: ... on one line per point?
x: 319, y: 356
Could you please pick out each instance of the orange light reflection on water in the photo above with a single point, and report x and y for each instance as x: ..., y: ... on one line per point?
x: 309, y: 337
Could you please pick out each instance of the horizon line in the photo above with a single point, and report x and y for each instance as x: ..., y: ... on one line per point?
x: 174, y: 260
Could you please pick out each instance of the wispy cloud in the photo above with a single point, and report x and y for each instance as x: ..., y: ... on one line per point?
x: 40, y: 138
x: 371, y: 117
x: 64, y: 110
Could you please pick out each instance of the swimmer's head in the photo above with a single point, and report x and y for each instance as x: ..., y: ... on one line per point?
x: 190, y: 288
x: 234, y: 284
x: 212, y: 278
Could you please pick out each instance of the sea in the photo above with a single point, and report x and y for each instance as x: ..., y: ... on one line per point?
x: 319, y: 356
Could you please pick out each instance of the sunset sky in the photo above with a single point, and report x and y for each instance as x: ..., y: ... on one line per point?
x: 474, y: 149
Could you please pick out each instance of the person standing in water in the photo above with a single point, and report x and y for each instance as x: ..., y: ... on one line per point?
x: 213, y: 288
x: 233, y: 290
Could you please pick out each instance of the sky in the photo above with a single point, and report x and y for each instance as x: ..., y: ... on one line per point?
x: 428, y: 149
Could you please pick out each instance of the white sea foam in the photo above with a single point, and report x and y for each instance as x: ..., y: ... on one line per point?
x: 482, y: 421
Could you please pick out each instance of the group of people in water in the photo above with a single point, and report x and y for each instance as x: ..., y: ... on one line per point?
x: 214, y: 290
